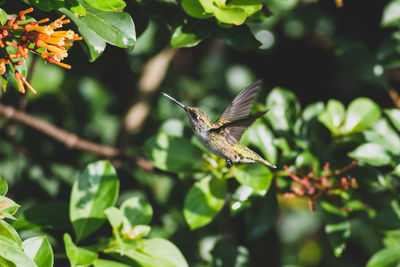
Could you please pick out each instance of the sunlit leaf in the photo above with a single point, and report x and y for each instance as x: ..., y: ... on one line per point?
x: 394, y: 116
x: 95, y: 190
x: 76, y: 255
x: 12, y: 254
x: 262, y: 137
x: 333, y: 115
x: 203, y: 201
x: 361, y: 113
x: 391, y: 14
x: 3, y: 17
x: 109, y: 5
x: 195, y: 9
x: 387, y: 257
x: 39, y: 250
x: 256, y: 176
x: 371, y: 153
x: 136, y: 210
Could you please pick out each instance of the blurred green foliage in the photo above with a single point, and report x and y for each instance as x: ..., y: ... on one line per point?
x: 331, y: 80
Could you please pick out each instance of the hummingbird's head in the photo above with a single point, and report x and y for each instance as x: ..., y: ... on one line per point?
x: 199, y: 120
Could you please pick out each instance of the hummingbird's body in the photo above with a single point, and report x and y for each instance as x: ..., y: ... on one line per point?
x: 222, y: 137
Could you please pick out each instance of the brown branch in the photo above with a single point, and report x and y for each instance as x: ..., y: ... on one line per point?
x: 68, y: 139
x: 71, y: 140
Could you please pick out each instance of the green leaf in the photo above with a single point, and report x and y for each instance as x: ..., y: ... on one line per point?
x: 8, y: 232
x: 284, y: 109
x: 249, y: 6
x: 8, y: 207
x: 13, y: 254
x: 386, y: 257
x: 391, y: 14
x: 397, y: 170
x: 337, y: 227
x: 307, y: 159
x: 262, y: 137
x: 114, y: 216
x: 108, y: 263
x: 109, y: 5
x: 361, y: 113
x: 3, y: 17
x: 76, y: 255
x: 116, y: 28
x: 226, y: 253
x: 203, y: 201
x: 136, y: 210
x: 172, y: 153
x: 95, y: 190
x: 180, y: 38
x: 39, y: 250
x: 165, y: 250
x: 3, y: 187
x: 208, y: 5
x: 230, y: 15
x: 240, y: 38
x: 95, y: 43
x: 52, y: 215
x: 394, y: 116
x: 195, y: 9
x: 371, y: 153
x: 384, y: 135
x: 255, y: 176
x: 333, y: 115
x: 261, y: 216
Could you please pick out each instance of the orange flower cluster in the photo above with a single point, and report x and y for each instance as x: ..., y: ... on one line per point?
x: 44, y: 40
x: 316, y: 187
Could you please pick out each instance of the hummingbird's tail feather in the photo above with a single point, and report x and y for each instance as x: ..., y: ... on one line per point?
x: 266, y: 163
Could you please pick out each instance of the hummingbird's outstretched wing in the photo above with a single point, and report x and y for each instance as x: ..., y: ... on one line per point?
x: 241, y: 105
x: 232, y: 131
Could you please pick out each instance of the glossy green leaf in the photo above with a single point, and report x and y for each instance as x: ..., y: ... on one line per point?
x: 391, y: 14
x: 262, y: 137
x: 95, y: 190
x: 114, y: 216
x: 52, y: 215
x: 136, y: 210
x: 230, y: 15
x: 384, y: 135
x: 256, y: 176
x: 116, y: 28
x: 180, y: 38
x: 39, y: 250
x: 95, y: 43
x: 108, y: 263
x: 165, y: 250
x: 3, y: 187
x: 137, y: 231
x: 13, y: 254
x: 109, y: 5
x: 387, y: 257
x: 397, y: 170
x: 333, y: 116
x: 203, y: 201
x: 371, y: 153
x: 8, y: 232
x: 241, y: 198
x: 208, y: 5
x: 307, y: 159
x: 261, y: 216
x: 195, y: 9
x: 394, y: 116
x: 225, y: 253
x: 361, y: 113
x: 3, y: 17
x: 284, y: 109
x: 8, y: 207
x: 172, y: 153
x: 249, y: 6
x: 76, y: 255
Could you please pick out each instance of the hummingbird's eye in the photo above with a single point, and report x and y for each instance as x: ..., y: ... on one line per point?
x: 195, y: 116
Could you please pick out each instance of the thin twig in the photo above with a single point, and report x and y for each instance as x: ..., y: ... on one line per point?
x: 70, y: 140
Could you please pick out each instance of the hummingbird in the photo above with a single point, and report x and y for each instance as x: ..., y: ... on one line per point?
x: 222, y: 137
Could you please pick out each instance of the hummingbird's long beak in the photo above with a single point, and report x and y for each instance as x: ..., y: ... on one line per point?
x: 174, y: 100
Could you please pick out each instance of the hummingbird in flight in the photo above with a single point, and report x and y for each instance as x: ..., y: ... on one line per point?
x: 222, y: 137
